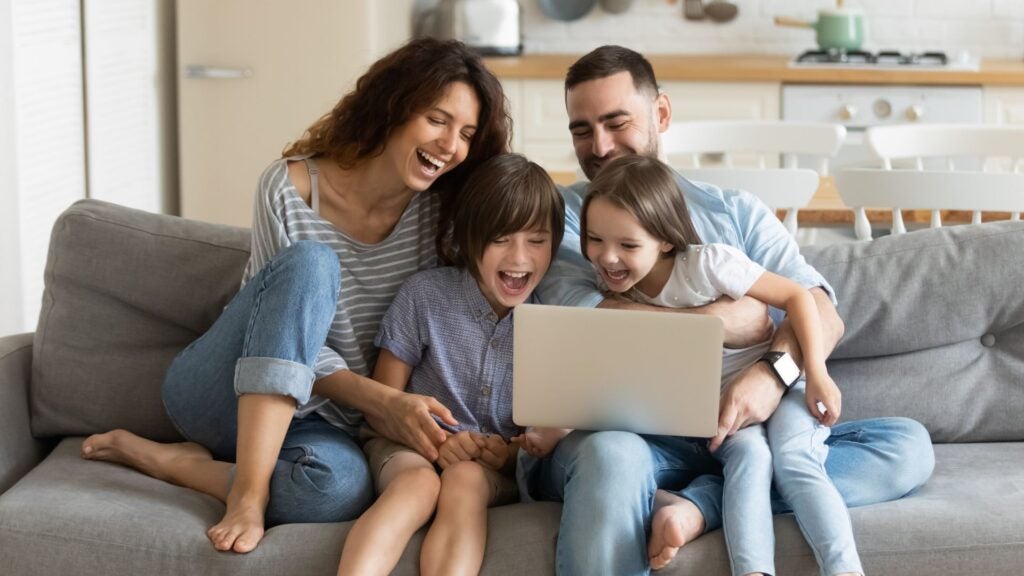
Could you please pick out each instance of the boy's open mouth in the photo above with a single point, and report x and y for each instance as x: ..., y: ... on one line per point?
x: 514, y: 281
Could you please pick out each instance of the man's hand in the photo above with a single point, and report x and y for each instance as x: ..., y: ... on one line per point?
x: 460, y: 447
x: 746, y: 320
x: 408, y: 420
x: 750, y: 399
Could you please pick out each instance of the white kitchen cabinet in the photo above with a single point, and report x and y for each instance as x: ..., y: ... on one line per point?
x: 1004, y: 105
x: 723, y: 100
x: 541, y: 125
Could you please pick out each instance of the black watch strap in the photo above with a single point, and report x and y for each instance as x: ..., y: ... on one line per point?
x: 783, y: 367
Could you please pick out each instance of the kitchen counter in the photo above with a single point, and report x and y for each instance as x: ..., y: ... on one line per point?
x: 766, y: 68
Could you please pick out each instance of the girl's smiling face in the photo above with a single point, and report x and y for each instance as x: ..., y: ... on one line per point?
x: 621, y: 250
x: 512, y: 266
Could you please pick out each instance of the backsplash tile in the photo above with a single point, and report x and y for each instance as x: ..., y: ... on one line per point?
x: 990, y: 28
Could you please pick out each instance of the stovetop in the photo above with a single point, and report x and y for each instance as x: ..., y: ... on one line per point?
x: 884, y: 59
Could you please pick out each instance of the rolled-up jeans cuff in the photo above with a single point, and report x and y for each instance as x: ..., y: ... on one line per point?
x: 704, y: 500
x: 255, y: 375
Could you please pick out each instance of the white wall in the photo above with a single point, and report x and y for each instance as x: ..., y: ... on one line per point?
x: 992, y: 28
x: 10, y: 262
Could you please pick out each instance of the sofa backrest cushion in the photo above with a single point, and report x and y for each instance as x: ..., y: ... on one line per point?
x: 934, y: 328
x: 125, y: 291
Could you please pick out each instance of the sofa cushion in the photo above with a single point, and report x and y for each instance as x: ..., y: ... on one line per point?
x: 106, y: 519
x: 125, y: 291
x: 934, y: 328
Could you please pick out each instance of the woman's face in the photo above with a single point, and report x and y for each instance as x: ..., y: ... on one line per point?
x: 435, y: 140
x: 619, y: 247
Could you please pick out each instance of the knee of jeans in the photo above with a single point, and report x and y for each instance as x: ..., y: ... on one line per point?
x: 314, y: 261
x: 606, y: 457
x: 308, y: 489
x: 749, y: 453
x: 913, y: 458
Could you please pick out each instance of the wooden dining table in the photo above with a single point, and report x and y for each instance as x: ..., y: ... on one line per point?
x: 826, y: 208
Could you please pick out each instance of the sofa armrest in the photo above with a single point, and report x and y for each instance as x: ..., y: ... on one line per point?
x: 19, y: 451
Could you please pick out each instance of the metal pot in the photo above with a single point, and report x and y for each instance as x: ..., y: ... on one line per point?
x: 836, y: 28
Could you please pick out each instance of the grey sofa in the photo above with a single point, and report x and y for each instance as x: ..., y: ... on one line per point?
x: 935, y: 331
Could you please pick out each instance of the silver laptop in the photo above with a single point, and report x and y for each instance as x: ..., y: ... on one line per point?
x: 597, y: 369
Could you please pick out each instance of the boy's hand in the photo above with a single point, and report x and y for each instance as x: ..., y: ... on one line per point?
x: 822, y: 389
x: 459, y: 447
x: 539, y: 442
x: 494, y: 451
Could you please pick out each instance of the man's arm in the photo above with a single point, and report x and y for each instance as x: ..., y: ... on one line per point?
x: 746, y: 320
x: 753, y: 395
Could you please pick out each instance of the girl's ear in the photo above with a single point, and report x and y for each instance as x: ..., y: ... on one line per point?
x: 666, y: 247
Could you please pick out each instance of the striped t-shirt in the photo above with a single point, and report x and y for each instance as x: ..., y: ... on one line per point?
x: 370, y: 273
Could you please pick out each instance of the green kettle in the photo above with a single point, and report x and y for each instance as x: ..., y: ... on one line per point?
x: 836, y: 28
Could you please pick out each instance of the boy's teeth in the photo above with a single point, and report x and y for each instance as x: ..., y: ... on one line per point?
x: 515, y: 274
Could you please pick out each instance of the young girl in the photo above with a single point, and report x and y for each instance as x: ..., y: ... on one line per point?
x: 448, y: 334
x: 639, y: 237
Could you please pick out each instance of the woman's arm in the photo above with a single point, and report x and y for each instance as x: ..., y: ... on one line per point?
x: 394, y: 414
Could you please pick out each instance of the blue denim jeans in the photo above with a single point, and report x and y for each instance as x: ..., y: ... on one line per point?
x: 607, y: 481
x: 791, y: 446
x: 266, y: 341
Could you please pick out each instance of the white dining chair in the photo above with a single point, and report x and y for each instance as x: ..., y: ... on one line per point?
x: 933, y: 190
x: 942, y: 148
x: 761, y: 157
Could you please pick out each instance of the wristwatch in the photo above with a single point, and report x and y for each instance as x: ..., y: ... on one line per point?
x: 783, y: 366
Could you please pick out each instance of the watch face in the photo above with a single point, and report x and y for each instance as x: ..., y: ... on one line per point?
x: 787, y: 369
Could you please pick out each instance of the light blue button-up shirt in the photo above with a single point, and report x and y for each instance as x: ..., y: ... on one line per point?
x: 732, y: 217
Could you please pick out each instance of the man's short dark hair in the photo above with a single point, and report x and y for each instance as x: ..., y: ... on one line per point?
x: 608, y: 60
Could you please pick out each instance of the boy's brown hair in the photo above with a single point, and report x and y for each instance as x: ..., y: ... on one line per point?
x: 506, y: 194
x: 647, y: 189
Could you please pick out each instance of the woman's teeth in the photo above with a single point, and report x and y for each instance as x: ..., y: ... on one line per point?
x: 432, y: 162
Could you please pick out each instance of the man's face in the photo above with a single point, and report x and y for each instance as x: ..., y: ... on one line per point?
x: 609, y: 118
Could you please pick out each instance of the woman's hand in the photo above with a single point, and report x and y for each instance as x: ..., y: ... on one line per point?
x: 539, y: 442
x: 408, y: 419
x: 460, y: 447
x: 822, y: 390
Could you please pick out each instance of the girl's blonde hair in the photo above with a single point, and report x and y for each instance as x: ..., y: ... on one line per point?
x: 506, y: 194
x: 647, y: 189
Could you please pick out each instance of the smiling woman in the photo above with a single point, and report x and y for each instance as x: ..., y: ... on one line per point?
x: 280, y: 383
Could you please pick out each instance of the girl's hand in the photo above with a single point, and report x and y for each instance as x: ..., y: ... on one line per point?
x: 459, y: 447
x: 494, y: 452
x: 821, y: 388
x: 539, y: 442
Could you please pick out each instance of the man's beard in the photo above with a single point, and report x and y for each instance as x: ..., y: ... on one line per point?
x: 652, y: 150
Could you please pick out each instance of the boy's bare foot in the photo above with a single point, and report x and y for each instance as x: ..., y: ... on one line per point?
x: 151, y: 458
x: 676, y: 522
x: 241, y: 529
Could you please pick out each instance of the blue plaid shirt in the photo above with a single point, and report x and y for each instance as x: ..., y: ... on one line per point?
x: 440, y: 324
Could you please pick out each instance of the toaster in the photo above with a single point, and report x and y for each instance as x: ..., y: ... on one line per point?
x: 489, y: 27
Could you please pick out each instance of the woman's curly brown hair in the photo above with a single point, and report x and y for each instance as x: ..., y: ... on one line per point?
x: 398, y: 86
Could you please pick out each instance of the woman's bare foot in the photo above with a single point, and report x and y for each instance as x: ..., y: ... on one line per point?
x: 241, y: 529
x: 676, y: 522
x: 161, y: 461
